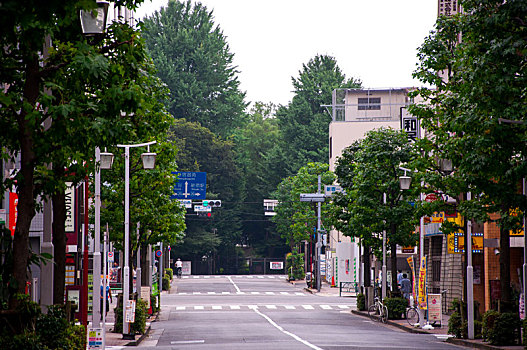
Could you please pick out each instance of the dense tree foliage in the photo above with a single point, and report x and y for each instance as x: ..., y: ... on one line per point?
x: 253, y: 144
x: 304, y: 122
x: 193, y: 58
x: 60, y: 101
x: 477, y: 62
x: 297, y: 221
x: 368, y: 171
x: 201, y: 150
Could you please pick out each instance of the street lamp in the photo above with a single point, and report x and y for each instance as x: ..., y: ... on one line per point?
x: 404, y: 184
x: 149, y: 164
x: 94, y: 22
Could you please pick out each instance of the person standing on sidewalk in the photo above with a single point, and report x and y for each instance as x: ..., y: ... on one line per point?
x: 406, y: 287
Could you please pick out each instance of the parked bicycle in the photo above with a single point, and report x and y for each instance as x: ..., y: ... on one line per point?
x: 378, y: 311
x: 412, y: 316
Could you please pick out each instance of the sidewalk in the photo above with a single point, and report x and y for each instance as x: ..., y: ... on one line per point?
x: 116, y: 339
x: 439, y: 332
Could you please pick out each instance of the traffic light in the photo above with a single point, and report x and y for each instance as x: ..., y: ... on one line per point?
x: 212, y: 203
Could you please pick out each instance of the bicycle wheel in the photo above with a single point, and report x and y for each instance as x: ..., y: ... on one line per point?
x: 412, y: 316
x: 384, y: 315
x: 374, y: 312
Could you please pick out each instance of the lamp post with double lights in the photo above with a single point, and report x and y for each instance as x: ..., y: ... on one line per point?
x: 93, y: 24
x: 148, y: 163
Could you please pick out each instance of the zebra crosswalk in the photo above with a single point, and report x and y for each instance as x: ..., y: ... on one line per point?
x: 242, y: 293
x: 302, y: 307
x: 282, y: 277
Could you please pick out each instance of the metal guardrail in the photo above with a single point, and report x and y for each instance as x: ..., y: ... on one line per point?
x: 348, y: 287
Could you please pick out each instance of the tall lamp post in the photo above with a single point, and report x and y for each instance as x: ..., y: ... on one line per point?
x: 93, y: 24
x: 148, y: 163
x: 404, y: 183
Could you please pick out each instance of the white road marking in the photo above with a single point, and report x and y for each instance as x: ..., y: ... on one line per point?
x: 187, y: 342
x: 344, y: 306
x: 271, y: 307
x: 260, y: 276
x: 199, y: 307
x: 289, y: 307
x: 270, y: 293
x: 216, y: 307
x: 284, y: 293
x: 255, y: 292
x: 326, y: 307
x: 211, y: 293
x: 294, y: 336
x: 235, y: 307
x: 308, y: 307
x: 234, y: 284
x: 180, y: 308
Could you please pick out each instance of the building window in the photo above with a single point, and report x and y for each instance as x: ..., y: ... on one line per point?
x: 369, y: 103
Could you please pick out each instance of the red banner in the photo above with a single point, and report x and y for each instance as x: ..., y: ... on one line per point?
x: 13, y: 211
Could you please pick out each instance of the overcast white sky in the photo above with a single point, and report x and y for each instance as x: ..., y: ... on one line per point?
x: 373, y: 40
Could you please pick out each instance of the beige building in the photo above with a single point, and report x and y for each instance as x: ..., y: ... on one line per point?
x: 355, y: 112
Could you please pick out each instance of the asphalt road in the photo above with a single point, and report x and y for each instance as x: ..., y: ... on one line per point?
x: 267, y: 312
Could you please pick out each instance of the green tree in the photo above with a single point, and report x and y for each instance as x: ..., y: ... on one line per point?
x: 478, y: 80
x: 201, y: 150
x: 297, y: 220
x: 304, y: 123
x: 253, y: 143
x: 194, y: 60
x: 368, y: 171
x: 57, y: 106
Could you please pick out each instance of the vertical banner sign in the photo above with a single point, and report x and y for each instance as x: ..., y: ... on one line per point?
x: 421, y: 298
x: 411, y: 263
x: 344, y: 261
x: 13, y: 211
x: 70, y: 207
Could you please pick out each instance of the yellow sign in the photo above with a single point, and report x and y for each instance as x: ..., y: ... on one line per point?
x: 421, y: 296
x: 456, y: 243
x: 516, y: 233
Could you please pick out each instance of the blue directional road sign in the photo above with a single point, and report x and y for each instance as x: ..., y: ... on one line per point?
x: 190, y: 185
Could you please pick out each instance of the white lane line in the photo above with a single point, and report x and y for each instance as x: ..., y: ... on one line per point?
x: 216, y: 307
x: 344, y: 306
x: 180, y: 308
x: 308, y: 307
x: 299, y: 293
x: 260, y: 276
x: 294, y: 336
x: 187, y: 342
x: 234, y: 284
x: 270, y: 293
x: 255, y: 293
x: 235, y: 307
x: 225, y: 292
x: 196, y: 292
x: 195, y: 276
x: 211, y: 292
x: 271, y: 307
x: 290, y: 307
x: 199, y: 307
x: 284, y: 293
x: 325, y: 307
x: 206, y: 276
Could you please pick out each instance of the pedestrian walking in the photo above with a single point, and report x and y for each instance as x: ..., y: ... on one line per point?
x: 108, y: 299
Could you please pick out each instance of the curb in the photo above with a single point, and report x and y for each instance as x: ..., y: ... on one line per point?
x: 391, y: 323
x: 147, y: 332
x: 452, y: 340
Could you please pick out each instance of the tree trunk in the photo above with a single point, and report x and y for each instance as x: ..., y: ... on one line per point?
x: 367, y: 272
x: 25, y: 185
x: 59, y: 240
x: 393, y: 251
x: 505, y: 270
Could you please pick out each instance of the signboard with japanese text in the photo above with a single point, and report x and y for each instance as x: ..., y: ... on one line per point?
x: 190, y: 185
x: 276, y: 265
x: 410, y: 125
x: 13, y: 211
x: 412, y: 268
x: 421, y: 294
x: 95, y: 338
x: 345, y: 271
x: 434, y: 308
x: 456, y: 243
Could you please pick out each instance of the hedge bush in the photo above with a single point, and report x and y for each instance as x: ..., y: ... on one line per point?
x: 361, y: 302
x: 42, y: 331
x: 396, y: 307
x: 169, y: 272
x: 295, y: 266
x: 166, y: 282
x: 153, y: 303
x: 141, y: 312
x: 501, y: 328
